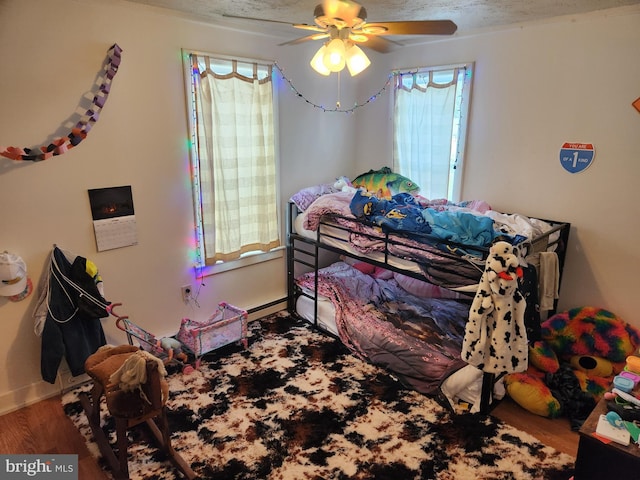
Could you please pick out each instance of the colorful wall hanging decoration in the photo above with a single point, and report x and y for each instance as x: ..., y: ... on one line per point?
x: 84, y: 125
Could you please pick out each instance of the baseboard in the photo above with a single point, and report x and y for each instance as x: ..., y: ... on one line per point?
x: 27, y: 395
x: 30, y: 394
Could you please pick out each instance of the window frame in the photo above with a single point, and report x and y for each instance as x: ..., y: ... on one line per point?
x: 249, y: 258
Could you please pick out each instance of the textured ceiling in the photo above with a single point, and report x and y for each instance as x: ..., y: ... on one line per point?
x: 469, y: 15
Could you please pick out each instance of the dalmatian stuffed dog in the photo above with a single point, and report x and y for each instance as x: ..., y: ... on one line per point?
x: 495, y: 338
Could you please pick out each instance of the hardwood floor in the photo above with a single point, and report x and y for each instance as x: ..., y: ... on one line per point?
x: 44, y: 428
x: 555, y: 432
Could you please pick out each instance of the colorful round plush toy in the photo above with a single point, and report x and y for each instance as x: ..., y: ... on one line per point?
x: 585, y: 347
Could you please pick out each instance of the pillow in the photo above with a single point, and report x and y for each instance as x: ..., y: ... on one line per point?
x: 307, y: 196
x: 372, y: 270
x: 382, y: 273
x: 421, y: 288
x: 363, y: 267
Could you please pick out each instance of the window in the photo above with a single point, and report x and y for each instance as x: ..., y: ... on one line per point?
x: 430, y: 115
x: 232, y: 106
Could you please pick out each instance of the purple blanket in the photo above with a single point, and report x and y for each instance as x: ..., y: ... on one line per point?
x: 418, y: 339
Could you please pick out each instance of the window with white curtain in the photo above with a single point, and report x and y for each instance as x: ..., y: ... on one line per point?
x: 233, y: 158
x: 430, y: 117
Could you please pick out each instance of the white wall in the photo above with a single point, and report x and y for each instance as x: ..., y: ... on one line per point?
x: 51, y: 52
x: 535, y: 88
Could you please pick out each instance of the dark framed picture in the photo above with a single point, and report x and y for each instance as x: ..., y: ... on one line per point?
x: 111, y: 202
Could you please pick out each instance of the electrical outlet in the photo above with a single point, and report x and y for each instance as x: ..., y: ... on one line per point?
x: 186, y: 291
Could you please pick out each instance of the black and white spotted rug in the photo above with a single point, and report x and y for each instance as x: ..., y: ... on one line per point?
x: 296, y: 405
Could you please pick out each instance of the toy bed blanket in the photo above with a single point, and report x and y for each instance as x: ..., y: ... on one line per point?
x: 446, y: 256
x: 418, y: 339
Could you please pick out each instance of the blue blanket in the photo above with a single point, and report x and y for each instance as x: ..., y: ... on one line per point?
x: 402, y: 213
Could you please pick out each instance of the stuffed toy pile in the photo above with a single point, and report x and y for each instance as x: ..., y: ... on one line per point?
x: 574, y: 363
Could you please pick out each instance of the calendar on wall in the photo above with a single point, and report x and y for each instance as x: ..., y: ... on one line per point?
x: 114, y: 220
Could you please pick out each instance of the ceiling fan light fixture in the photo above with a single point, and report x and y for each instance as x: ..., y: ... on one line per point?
x: 317, y: 62
x: 334, y: 55
x: 356, y: 60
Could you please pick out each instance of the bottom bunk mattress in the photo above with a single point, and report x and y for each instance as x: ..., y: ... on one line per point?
x: 418, y: 339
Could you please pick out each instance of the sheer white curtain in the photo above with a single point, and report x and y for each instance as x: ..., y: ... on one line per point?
x: 237, y: 165
x: 423, y: 127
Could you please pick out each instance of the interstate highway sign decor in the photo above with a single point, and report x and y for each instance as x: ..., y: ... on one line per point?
x: 576, y: 157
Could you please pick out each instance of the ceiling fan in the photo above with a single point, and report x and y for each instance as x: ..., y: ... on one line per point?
x: 344, y: 24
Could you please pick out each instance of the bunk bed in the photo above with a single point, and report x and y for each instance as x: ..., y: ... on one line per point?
x: 400, y: 296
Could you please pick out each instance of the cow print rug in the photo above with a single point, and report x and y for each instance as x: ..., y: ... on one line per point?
x: 297, y: 405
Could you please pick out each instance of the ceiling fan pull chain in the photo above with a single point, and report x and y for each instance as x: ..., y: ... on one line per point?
x: 338, y: 102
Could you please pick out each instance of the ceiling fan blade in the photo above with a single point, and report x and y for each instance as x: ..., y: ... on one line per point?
x: 418, y: 27
x: 228, y: 15
x: 376, y: 43
x: 302, y: 26
x: 305, y: 26
x: 315, y: 36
